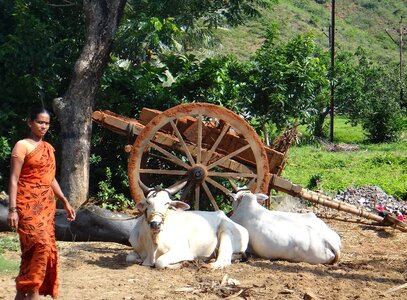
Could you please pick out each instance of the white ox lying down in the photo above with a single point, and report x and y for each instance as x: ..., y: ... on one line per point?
x: 282, y: 235
x: 164, y: 237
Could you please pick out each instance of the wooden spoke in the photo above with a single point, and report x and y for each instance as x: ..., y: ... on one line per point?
x: 163, y: 172
x: 231, y: 174
x: 181, y: 140
x: 217, y: 185
x: 216, y: 144
x: 199, y: 142
x: 197, y: 195
x: 223, y: 159
x: 170, y: 156
x: 186, y: 191
x: 209, y: 145
x: 210, y: 196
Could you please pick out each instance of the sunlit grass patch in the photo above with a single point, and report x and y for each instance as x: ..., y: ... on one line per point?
x: 8, y: 243
x: 383, y: 165
x: 8, y: 266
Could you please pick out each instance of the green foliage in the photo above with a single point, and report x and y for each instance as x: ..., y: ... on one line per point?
x: 366, y: 93
x: 153, y: 26
x: 38, y: 47
x: 212, y: 13
x: 218, y: 80
x: 285, y: 80
x: 5, y: 151
x: 137, y: 41
x: 289, y: 81
x: 109, y: 198
x: 314, y: 181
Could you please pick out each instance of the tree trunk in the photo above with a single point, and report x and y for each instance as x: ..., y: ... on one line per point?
x: 75, y: 108
x: 319, y: 123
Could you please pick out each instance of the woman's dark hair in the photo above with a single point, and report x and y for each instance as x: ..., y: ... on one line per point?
x: 34, y: 112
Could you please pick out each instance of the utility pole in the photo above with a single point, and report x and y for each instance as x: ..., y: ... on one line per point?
x: 400, y: 31
x: 332, y: 44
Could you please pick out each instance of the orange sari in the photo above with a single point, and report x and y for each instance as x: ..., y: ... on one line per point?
x: 36, y: 227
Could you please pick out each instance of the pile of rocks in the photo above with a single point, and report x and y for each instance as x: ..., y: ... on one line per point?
x: 370, y: 198
x: 373, y: 199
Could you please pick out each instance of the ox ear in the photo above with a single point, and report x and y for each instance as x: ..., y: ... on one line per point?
x: 261, y: 197
x: 251, y: 184
x: 179, y: 205
x: 141, y: 205
x: 233, y: 196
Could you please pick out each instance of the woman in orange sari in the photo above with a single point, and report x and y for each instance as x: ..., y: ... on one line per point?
x: 32, y: 192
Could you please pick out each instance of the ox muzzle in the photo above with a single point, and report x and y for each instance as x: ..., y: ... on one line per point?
x: 155, y: 220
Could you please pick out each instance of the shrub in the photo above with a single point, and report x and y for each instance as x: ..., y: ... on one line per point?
x: 5, y: 151
x: 109, y: 198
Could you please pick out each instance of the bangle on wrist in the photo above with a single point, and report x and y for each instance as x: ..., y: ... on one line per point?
x: 12, y: 209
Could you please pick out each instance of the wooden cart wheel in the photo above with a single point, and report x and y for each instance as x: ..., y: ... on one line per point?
x: 203, y: 144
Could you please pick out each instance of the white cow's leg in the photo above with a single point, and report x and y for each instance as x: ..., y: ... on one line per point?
x: 225, y: 250
x: 172, y: 257
x: 133, y: 257
x: 150, y: 257
x: 149, y: 262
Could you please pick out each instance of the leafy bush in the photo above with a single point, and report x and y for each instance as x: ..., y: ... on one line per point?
x: 109, y: 198
x: 382, y: 119
x: 314, y: 181
x: 289, y: 81
x: 5, y: 151
x: 366, y: 93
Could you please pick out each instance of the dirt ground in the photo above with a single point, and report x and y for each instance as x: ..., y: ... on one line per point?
x: 374, y: 261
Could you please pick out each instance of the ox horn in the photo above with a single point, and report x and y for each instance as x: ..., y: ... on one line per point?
x: 172, y: 190
x: 145, y: 188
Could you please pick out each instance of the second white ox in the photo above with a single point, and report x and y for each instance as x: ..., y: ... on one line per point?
x: 283, y: 235
x: 163, y: 236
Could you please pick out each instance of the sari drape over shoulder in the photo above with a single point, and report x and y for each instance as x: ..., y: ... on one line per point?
x: 36, y: 227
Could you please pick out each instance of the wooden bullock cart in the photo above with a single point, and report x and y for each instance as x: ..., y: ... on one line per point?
x: 211, y: 148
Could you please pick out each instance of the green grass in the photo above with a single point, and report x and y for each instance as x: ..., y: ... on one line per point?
x: 8, y: 266
x: 345, y: 133
x: 383, y: 165
x: 9, y: 243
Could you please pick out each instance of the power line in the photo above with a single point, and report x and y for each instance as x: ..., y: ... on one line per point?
x: 401, y: 31
x: 332, y: 44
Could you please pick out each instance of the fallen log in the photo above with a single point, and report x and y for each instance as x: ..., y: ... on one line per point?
x: 92, y: 224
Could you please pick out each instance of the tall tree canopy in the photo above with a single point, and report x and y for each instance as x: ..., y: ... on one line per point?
x: 126, y: 55
x: 74, y: 109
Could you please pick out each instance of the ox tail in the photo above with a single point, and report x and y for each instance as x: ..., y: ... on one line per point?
x: 336, y: 251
